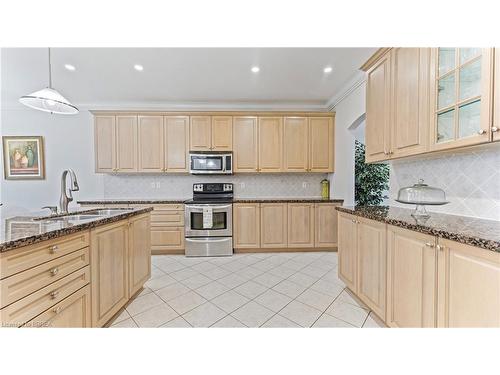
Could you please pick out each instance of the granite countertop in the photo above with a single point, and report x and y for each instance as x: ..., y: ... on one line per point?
x: 286, y: 200
x: 131, y: 201
x: 236, y: 200
x: 468, y: 230
x: 19, y: 231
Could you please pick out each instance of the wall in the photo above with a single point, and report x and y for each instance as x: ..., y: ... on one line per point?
x: 470, y: 179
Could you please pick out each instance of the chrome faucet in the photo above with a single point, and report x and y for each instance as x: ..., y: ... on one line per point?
x: 65, y: 199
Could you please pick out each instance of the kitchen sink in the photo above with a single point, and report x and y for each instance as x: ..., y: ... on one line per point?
x: 88, y: 215
x: 107, y: 211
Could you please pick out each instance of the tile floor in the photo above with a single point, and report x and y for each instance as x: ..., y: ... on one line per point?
x: 246, y: 290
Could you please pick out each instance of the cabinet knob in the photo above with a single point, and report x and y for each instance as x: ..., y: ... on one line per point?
x: 429, y: 244
x: 494, y: 129
x: 53, y: 249
x: 54, y: 294
x: 440, y: 247
x: 54, y: 271
x: 57, y: 310
x: 481, y: 131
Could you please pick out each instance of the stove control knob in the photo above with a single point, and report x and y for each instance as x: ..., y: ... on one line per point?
x: 198, y: 187
x: 228, y: 187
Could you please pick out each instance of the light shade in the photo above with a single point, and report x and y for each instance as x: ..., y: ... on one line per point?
x: 49, y: 100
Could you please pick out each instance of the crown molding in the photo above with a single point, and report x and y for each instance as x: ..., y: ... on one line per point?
x: 374, y: 58
x: 357, y: 80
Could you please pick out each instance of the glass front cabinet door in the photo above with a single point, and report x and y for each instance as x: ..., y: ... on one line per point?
x: 461, y: 96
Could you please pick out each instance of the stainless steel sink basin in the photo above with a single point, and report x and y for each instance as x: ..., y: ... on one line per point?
x: 88, y: 215
x: 107, y: 211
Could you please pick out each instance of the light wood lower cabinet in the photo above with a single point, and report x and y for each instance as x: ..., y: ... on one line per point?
x: 300, y: 225
x: 411, y: 278
x: 246, y: 225
x: 110, y: 271
x: 139, y: 256
x: 325, y: 224
x: 347, y: 250
x: 273, y: 225
x: 468, y: 286
x: 495, y: 129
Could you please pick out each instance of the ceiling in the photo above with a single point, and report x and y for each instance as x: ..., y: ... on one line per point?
x: 105, y: 77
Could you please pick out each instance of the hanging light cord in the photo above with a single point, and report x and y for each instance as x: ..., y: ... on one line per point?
x: 50, y: 72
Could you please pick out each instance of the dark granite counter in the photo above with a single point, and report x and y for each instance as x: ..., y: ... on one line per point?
x: 236, y: 200
x: 468, y: 230
x: 19, y: 231
x: 131, y: 201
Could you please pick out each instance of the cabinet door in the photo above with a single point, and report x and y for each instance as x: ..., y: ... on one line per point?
x: 321, y: 144
x: 372, y: 257
x: 105, y: 144
x: 495, y: 129
x: 72, y: 312
x: 295, y: 144
x: 468, y: 286
x: 151, y: 144
x: 246, y: 220
x: 411, y: 279
x: 167, y: 240
x: 200, y: 133
x: 273, y: 225
x: 245, y: 144
x: 410, y: 101
x: 378, y: 110
x: 325, y: 225
x: 300, y: 225
x: 126, y: 143
x: 270, y: 144
x: 176, y: 143
x: 109, y: 271
x: 139, y: 256
x: 222, y: 133
x: 347, y: 251
x: 461, y: 85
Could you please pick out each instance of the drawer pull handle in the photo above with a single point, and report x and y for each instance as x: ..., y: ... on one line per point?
x: 53, y: 249
x: 57, y: 310
x: 429, y: 244
x: 54, y: 271
x: 54, y: 294
x: 440, y: 247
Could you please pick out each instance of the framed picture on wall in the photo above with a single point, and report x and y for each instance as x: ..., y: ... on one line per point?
x: 23, y: 158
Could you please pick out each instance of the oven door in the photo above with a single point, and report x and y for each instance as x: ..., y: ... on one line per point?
x: 222, y: 220
x: 208, y: 164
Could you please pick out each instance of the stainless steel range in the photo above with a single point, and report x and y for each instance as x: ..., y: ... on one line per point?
x: 209, y: 220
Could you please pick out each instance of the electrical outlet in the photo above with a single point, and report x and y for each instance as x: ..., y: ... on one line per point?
x: 242, y: 185
x: 152, y: 185
x: 304, y: 185
x: 158, y: 185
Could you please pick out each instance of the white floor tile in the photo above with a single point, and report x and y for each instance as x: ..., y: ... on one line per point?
x: 273, y: 300
x: 348, y: 313
x: 232, y: 280
x: 127, y: 323
x: 216, y: 273
x: 282, y: 271
x: 229, y: 322
x: 156, y: 272
x: 249, y: 272
x: 230, y: 301
x: 178, y: 322
x: 327, y: 321
x: 373, y: 321
x: 302, y: 279
x: 155, y: 317
x: 183, y: 274
x: 289, y: 288
x: 171, y: 267
x: 252, y: 314
x: 268, y: 279
x: 316, y: 299
x: 172, y: 291
x: 204, y: 266
x: 348, y: 297
x: 327, y: 287
x: 160, y: 282
x: 141, y: 304
x: 186, y: 302
x: 250, y: 289
x: 204, y: 315
x: 279, y: 321
x: 264, y: 265
x: 194, y: 282
x: 212, y: 290
x: 233, y: 266
x: 124, y: 315
x: 300, y: 313
x: 292, y: 264
x: 313, y: 271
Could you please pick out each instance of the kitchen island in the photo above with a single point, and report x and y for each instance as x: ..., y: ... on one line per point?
x: 75, y: 270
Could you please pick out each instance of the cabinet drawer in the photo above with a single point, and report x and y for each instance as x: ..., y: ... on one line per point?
x: 20, y: 285
x: 165, y: 238
x: 167, y: 218
x: 72, y: 312
x: 19, y: 260
x: 24, y: 310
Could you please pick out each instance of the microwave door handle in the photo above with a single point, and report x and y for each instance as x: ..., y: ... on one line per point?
x: 223, y: 164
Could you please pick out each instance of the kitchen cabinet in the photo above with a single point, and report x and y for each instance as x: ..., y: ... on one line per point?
x: 126, y: 143
x: 211, y: 133
x: 296, y: 144
x: 273, y: 225
x: 347, y: 250
x: 411, y: 279
x: 300, y: 225
x: 151, y: 144
x: 270, y: 142
x: 495, y: 129
x: 109, y: 271
x: 245, y: 144
x: 222, y: 133
x: 246, y: 225
x: 321, y: 144
x: 105, y: 144
x: 468, y: 286
x: 176, y: 144
x: 139, y: 256
x: 461, y: 83
x: 325, y: 223
x: 200, y: 133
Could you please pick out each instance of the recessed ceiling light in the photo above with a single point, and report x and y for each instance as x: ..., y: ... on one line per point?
x: 138, y: 67
x: 328, y: 69
x: 255, y: 69
x: 70, y: 67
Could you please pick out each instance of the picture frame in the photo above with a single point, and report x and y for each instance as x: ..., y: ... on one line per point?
x: 23, y: 158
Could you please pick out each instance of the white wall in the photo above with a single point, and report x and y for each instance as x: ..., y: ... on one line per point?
x: 68, y: 143
x: 350, y: 109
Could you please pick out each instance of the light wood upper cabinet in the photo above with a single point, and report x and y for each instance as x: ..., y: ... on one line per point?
x: 246, y: 225
x: 270, y: 144
x: 176, y: 143
x: 105, y: 143
x: 245, y: 143
x: 222, y: 133
x: 325, y: 225
x: 300, y: 225
x: 461, y: 96
x: 468, y: 286
x: 273, y: 225
x: 410, y: 101
x: 109, y: 271
x: 378, y: 110
x: 126, y: 143
x: 151, y: 144
x: 348, y: 250
x: 321, y: 144
x: 139, y: 255
x: 411, y: 279
x: 200, y: 133
x: 495, y: 129
x: 296, y: 144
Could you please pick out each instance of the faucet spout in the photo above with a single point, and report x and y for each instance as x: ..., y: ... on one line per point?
x: 66, y: 195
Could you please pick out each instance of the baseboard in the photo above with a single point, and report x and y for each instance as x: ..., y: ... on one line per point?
x: 167, y: 252
x: 286, y: 250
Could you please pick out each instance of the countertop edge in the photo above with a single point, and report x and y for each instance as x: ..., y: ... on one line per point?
x: 236, y: 200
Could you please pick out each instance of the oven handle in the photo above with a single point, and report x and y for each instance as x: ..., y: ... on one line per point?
x: 190, y: 207
x: 208, y: 240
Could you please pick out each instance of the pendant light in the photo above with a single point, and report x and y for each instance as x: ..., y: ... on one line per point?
x: 48, y: 99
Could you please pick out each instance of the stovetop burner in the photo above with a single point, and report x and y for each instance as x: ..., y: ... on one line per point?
x: 211, y: 193
x: 209, y: 201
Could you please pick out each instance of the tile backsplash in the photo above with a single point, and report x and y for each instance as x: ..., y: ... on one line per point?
x: 181, y: 186
x: 470, y: 180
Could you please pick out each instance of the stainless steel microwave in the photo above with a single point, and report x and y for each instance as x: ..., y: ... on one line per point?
x: 211, y: 163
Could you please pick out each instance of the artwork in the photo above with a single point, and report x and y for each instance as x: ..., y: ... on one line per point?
x: 23, y: 158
